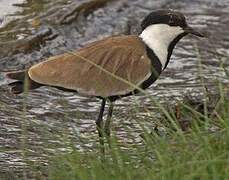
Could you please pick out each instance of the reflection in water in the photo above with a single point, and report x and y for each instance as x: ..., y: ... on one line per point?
x: 49, y: 121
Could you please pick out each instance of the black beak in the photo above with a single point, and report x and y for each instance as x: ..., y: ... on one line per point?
x: 190, y: 30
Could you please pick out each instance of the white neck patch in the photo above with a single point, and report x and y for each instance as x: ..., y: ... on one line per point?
x: 158, y: 37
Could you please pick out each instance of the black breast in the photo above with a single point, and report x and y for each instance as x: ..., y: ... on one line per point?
x: 156, y: 68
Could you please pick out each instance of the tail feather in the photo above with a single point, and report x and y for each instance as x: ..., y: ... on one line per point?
x: 23, y: 82
x: 18, y: 75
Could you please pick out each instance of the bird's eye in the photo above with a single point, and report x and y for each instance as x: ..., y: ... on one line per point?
x: 171, y: 22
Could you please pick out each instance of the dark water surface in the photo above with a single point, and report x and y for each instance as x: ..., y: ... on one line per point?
x: 49, y: 121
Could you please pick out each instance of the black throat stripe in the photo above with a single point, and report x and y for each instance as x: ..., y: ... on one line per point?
x: 172, y: 46
x: 156, y: 68
x: 155, y: 62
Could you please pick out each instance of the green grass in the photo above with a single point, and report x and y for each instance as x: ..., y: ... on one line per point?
x: 199, y: 152
x: 194, y: 145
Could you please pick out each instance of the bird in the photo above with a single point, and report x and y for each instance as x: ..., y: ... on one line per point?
x: 111, y: 68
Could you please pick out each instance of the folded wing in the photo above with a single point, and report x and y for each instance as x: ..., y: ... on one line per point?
x: 123, y: 56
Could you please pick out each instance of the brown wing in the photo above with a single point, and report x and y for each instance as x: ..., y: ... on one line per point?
x: 123, y: 56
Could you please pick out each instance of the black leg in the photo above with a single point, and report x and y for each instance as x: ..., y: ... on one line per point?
x: 108, y: 121
x: 99, y: 123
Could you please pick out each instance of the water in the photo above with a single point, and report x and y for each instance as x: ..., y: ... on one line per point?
x: 7, y: 10
x: 48, y: 120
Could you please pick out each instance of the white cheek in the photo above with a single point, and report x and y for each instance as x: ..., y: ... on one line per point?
x: 158, y: 37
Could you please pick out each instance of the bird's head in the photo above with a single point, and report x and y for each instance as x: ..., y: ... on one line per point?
x: 168, y: 23
x: 162, y: 29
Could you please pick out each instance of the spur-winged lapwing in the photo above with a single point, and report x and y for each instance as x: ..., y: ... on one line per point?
x: 138, y: 59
